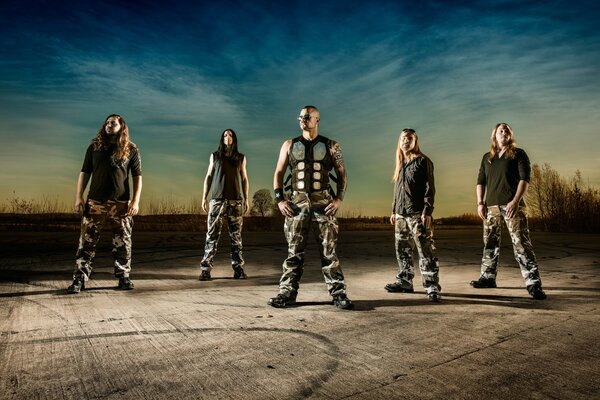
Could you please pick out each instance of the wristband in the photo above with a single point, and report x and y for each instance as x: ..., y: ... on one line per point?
x: 279, y: 195
x: 481, y: 203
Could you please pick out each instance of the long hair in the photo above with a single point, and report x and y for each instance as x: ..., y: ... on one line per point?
x: 123, y: 144
x: 512, y: 144
x: 416, y: 150
x: 235, y: 154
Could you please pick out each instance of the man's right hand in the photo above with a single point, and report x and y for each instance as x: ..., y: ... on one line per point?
x: 482, y: 211
x: 393, y: 219
x: 205, y: 205
x: 285, y: 208
x: 79, y: 205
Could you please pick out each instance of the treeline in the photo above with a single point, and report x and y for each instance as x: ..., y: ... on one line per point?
x: 559, y: 204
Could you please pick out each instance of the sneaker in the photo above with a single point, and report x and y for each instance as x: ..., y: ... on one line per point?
x: 205, y: 275
x: 238, y: 273
x: 125, y: 283
x: 282, y: 300
x: 77, y: 286
x: 398, y: 287
x: 536, y: 292
x: 484, y: 283
x: 343, y: 302
x: 434, y: 297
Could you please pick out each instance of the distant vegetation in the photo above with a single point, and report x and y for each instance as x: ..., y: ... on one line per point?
x: 554, y: 203
x: 560, y: 204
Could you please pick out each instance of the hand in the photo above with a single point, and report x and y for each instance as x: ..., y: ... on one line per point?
x: 333, y: 206
x: 482, y: 211
x: 393, y: 219
x: 246, y: 206
x: 427, y: 221
x: 205, y: 205
x: 511, y: 209
x: 79, y: 205
x: 132, y: 209
x: 286, y: 208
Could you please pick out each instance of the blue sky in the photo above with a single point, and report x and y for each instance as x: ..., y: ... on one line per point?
x: 182, y: 73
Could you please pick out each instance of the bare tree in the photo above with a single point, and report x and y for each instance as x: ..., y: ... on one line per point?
x: 262, y: 203
x: 561, y: 204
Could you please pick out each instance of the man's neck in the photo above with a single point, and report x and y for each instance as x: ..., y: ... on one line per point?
x: 310, y: 135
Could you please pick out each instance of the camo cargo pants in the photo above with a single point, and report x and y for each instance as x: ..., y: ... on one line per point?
x: 309, y: 211
x: 232, y: 211
x: 95, y: 215
x: 519, y: 234
x: 410, y: 232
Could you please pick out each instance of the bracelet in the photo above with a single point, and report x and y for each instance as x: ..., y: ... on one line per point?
x: 279, y: 195
x: 481, y: 203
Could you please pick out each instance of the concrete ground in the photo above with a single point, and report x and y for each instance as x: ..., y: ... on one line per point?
x: 176, y: 337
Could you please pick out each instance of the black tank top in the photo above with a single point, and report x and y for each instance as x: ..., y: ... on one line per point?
x: 226, y: 177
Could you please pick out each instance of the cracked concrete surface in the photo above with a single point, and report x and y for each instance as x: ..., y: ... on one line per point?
x: 176, y: 337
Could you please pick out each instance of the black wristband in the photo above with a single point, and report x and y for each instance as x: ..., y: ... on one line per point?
x: 279, y: 195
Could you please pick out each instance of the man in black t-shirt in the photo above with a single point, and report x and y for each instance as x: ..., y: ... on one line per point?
x: 109, y: 160
x: 503, y: 180
x: 226, y: 171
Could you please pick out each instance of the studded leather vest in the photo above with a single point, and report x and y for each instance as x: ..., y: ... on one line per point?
x: 310, y: 162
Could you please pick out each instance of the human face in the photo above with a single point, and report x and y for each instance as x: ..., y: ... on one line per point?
x: 502, y: 136
x: 407, y: 142
x: 308, y: 120
x: 112, y: 126
x: 227, y: 138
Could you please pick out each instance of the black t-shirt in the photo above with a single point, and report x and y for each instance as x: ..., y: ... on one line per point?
x: 110, y: 177
x: 501, y: 176
x: 226, y: 177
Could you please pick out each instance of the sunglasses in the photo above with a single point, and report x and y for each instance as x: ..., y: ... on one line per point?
x: 305, y: 117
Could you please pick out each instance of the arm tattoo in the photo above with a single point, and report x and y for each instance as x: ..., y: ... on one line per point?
x: 338, y: 158
x: 338, y: 161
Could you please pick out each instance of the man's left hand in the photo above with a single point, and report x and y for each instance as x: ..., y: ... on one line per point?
x: 511, y: 209
x: 427, y: 221
x: 132, y: 209
x: 332, y: 207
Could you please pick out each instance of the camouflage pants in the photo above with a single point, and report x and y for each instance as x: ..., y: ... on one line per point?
x: 232, y: 211
x: 410, y: 232
x: 309, y: 212
x: 95, y: 214
x: 519, y: 234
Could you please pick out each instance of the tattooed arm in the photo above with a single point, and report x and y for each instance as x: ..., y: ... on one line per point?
x: 340, y: 170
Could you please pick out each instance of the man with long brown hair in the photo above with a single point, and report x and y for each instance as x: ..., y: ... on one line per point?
x: 109, y: 160
x: 412, y: 208
x: 501, y: 185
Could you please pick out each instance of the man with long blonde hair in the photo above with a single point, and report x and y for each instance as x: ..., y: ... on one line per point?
x: 412, y: 209
x: 109, y: 160
x: 501, y: 185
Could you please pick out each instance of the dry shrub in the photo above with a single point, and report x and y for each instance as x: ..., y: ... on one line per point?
x: 560, y: 204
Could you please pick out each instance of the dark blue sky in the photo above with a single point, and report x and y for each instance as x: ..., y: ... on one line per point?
x: 181, y: 73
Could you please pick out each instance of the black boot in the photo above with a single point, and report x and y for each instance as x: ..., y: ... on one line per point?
x: 77, y: 286
x: 282, y: 300
x: 125, y: 283
x: 536, y: 292
x: 484, y: 283
x: 238, y: 273
x: 343, y: 302
x: 205, y: 275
